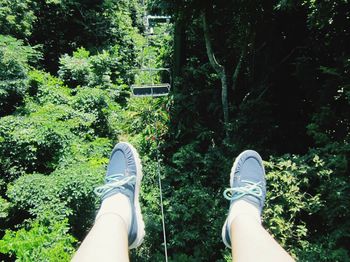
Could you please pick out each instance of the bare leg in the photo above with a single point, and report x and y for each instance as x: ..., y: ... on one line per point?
x: 108, y: 239
x: 251, y: 242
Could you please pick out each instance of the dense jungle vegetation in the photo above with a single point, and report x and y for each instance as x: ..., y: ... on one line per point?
x: 273, y: 76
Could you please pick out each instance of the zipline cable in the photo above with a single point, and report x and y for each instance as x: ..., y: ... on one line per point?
x: 158, y: 165
x: 154, y: 95
x: 160, y: 189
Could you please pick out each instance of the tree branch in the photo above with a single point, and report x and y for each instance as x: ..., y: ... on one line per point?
x: 220, y: 70
x: 286, y: 57
x: 238, y: 68
x: 213, y: 62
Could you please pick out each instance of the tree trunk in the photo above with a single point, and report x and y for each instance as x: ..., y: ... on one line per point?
x: 219, y: 69
x: 224, y: 98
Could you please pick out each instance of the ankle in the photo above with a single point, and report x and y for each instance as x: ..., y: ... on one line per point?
x: 242, y: 208
x: 111, y: 217
x: 116, y: 205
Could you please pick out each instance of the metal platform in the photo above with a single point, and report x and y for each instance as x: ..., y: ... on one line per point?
x: 154, y: 90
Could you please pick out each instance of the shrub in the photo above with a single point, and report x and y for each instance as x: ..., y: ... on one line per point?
x: 14, y: 58
x: 17, y: 17
x: 97, y: 103
x: 66, y: 193
x: 36, y: 141
x: 39, y: 242
x: 30, y: 144
x: 45, y: 88
x: 4, y: 207
x: 75, y: 70
x: 102, y: 70
x: 290, y: 199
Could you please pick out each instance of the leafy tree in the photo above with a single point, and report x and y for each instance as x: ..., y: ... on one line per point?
x: 14, y: 67
x: 39, y: 242
x: 17, y: 17
x: 108, y: 69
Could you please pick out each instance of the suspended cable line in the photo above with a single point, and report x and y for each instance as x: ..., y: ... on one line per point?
x: 154, y: 87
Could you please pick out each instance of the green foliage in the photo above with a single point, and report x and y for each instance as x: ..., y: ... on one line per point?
x: 56, y: 137
x: 102, y: 66
x: 65, y: 193
x: 29, y: 144
x: 37, y: 140
x: 17, y: 17
x: 14, y: 66
x: 143, y: 117
x: 102, y: 70
x: 75, y: 70
x: 4, y: 207
x: 97, y: 104
x: 63, y: 26
x: 325, y: 250
x: 44, y: 88
x: 94, y: 152
x: 39, y: 242
x: 290, y: 195
x: 89, y: 112
x: 57, y: 133
x: 14, y: 57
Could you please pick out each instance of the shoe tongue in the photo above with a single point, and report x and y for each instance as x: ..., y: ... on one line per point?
x: 251, y: 171
x: 117, y: 164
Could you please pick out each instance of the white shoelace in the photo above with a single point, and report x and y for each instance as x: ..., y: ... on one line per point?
x: 251, y: 188
x: 114, y: 181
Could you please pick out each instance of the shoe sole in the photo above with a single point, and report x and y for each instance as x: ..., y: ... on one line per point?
x: 234, y: 167
x: 139, y: 219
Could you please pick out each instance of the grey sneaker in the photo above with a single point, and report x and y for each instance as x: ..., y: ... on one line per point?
x: 247, y: 181
x: 124, y: 174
